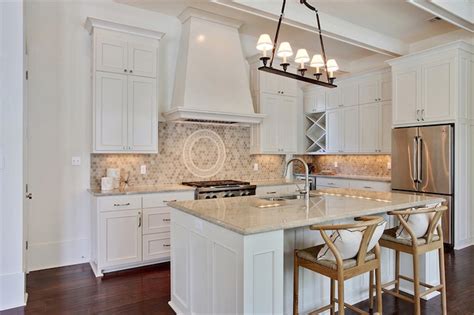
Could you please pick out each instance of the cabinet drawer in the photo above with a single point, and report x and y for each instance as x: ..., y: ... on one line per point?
x: 276, y: 190
x: 156, y: 246
x: 161, y: 199
x: 156, y: 220
x: 332, y: 182
x: 369, y: 185
x: 120, y: 203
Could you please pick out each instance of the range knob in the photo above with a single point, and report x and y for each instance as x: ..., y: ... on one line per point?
x: 230, y: 195
x: 207, y: 197
x: 245, y: 193
x: 214, y: 197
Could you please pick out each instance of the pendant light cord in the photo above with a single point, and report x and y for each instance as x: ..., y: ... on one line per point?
x: 322, y: 44
x: 277, y: 32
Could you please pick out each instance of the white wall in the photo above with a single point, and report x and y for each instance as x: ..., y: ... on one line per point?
x: 12, y: 279
x: 60, y: 117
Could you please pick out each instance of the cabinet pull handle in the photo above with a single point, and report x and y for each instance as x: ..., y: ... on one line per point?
x: 368, y: 187
x: 140, y: 220
x: 121, y: 204
x: 131, y: 71
x: 166, y: 220
x: 422, y: 115
x: 417, y: 115
x: 331, y: 184
x: 124, y: 70
x: 166, y: 201
x: 166, y: 245
x: 271, y: 192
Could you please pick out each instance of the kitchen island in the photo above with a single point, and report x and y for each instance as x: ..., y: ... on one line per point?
x: 234, y: 255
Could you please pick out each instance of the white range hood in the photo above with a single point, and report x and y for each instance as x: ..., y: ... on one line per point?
x: 211, y: 82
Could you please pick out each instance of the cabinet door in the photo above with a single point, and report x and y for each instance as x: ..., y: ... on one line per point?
x: 314, y: 101
x: 156, y: 246
x: 350, y: 127
x: 142, y: 60
x: 333, y: 98
x: 334, y: 130
x: 385, y: 145
x: 269, y: 104
x: 156, y: 220
x: 309, y: 102
x: 142, y: 114
x: 368, y: 91
x: 385, y: 88
x: 287, y: 86
x: 406, y: 98
x: 438, y: 91
x: 287, y: 124
x: 369, y: 126
x: 111, y: 54
x: 349, y: 94
x: 120, y: 238
x: 269, y: 83
x: 110, y: 127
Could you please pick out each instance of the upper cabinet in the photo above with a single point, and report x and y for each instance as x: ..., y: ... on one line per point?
x: 376, y: 88
x: 275, y: 84
x: 125, y: 91
x: 426, y: 85
x: 314, y: 100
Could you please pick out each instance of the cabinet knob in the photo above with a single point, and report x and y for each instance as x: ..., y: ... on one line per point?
x: 131, y: 71
x: 124, y: 70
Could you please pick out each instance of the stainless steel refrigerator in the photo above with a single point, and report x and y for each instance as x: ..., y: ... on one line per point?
x: 422, y: 162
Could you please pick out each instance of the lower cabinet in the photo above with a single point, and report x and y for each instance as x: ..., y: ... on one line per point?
x: 131, y: 231
x: 327, y: 182
x: 277, y: 189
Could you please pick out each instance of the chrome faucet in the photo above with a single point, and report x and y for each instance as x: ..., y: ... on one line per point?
x: 306, y: 176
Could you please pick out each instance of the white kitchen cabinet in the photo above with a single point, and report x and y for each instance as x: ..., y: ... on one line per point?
x: 277, y: 189
x: 375, y: 87
x: 142, y: 114
x: 131, y: 230
x: 120, y: 237
x: 277, y: 132
x: 276, y: 84
x: 333, y: 98
x: 124, y: 72
x: 110, y: 123
x: 329, y: 182
x: 343, y: 130
x: 375, y: 128
x: 424, y: 88
x: 349, y: 93
x: 314, y: 100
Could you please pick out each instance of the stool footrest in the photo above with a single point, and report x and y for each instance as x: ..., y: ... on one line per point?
x: 426, y: 285
x: 353, y: 308
x: 398, y: 295
x: 322, y: 309
x: 432, y: 289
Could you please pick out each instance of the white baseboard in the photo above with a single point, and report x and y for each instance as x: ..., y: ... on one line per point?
x: 464, y: 243
x: 12, y: 287
x: 58, y: 254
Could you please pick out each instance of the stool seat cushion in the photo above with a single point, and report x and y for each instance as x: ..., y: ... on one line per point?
x: 311, y: 254
x: 391, y: 235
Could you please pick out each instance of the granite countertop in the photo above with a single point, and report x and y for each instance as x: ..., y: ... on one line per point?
x: 146, y: 189
x: 387, y: 179
x: 251, y: 215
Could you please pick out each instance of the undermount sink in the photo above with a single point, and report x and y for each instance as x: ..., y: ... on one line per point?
x: 281, y: 198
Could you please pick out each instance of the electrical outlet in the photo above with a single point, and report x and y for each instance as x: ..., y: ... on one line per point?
x: 255, y: 166
x: 76, y: 160
x: 143, y: 169
x: 389, y: 165
x: 335, y: 164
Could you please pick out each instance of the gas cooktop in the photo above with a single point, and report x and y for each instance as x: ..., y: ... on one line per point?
x: 216, y: 183
x: 221, y: 189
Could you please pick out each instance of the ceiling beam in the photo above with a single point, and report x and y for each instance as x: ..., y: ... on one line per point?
x: 299, y: 16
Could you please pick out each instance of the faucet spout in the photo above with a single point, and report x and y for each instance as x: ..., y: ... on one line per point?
x: 306, y: 173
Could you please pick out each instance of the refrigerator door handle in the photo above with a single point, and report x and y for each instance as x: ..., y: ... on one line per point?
x: 415, y: 159
x: 419, y: 176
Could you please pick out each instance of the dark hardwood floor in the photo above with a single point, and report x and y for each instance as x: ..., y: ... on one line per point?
x: 75, y: 290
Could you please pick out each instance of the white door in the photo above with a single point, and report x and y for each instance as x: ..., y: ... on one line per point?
x: 269, y: 104
x: 406, y: 98
x: 156, y: 246
x: 438, y: 91
x: 287, y: 86
x: 142, y: 60
x: 369, y: 91
x: 142, y: 114
x: 309, y: 101
x: 349, y: 94
x: 369, y: 126
x: 156, y: 220
x: 110, y: 126
x: 333, y: 98
x: 111, y: 54
x: 287, y: 124
x: 385, y: 145
x: 334, y: 130
x: 350, y: 127
x: 385, y: 87
x: 269, y: 83
x: 120, y: 237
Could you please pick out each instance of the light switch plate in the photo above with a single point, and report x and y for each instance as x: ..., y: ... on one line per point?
x: 143, y: 169
x: 76, y: 161
x: 335, y: 164
x: 255, y: 166
x: 389, y: 165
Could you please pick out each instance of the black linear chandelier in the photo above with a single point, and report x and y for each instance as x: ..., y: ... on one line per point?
x: 284, y: 51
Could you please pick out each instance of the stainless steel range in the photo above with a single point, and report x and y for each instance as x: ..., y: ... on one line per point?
x: 221, y: 189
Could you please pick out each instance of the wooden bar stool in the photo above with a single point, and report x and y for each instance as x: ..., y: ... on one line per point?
x: 342, y: 270
x: 416, y: 246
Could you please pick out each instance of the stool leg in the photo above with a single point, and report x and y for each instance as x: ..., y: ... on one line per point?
x: 333, y: 296
x: 295, y: 285
x: 378, y: 289
x: 416, y: 284
x: 397, y: 271
x: 371, y: 292
x: 442, y: 278
x: 340, y: 294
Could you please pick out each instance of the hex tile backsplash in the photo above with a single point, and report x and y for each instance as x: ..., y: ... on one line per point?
x: 168, y: 167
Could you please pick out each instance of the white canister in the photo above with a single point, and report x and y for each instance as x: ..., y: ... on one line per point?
x: 106, y: 183
x: 115, y: 174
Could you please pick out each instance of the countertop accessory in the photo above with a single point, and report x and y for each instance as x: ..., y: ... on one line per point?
x: 115, y: 174
x: 106, y: 183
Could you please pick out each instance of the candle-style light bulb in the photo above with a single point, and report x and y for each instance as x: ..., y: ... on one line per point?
x: 317, y: 62
x: 284, y: 51
x: 302, y: 57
